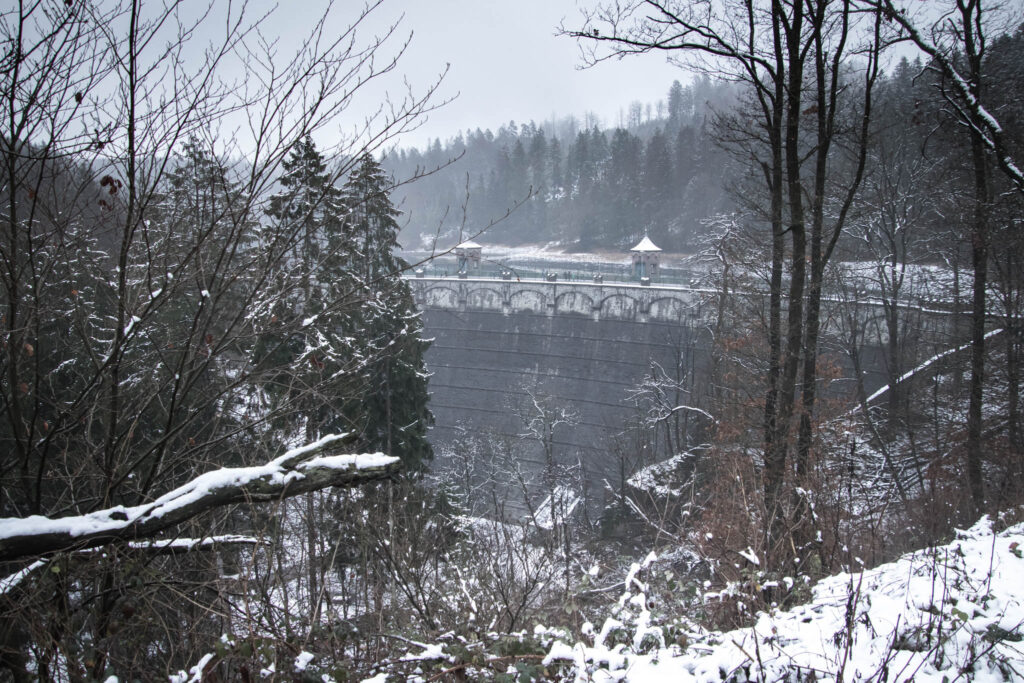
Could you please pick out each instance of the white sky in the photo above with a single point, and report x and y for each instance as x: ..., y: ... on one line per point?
x: 506, y: 63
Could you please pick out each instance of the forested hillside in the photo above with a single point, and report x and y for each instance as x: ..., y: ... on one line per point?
x: 576, y: 183
x: 671, y: 169
x: 215, y: 453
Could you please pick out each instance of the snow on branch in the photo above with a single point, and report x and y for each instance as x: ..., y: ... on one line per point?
x: 299, y: 470
x: 163, y: 546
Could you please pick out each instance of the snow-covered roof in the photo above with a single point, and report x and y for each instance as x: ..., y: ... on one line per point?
x: 469, y: 244
x: 646, y: 245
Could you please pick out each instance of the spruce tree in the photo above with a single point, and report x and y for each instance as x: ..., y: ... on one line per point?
x: 656, y: 188
x: 393, y: 416
x: 306, y: 352
x: 675, y: 106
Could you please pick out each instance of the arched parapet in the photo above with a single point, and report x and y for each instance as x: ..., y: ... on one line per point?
x: 484, y: 298
x: 575, y: 302
x: 673, y: 309
x: 661, y: 304
x: 528, y: 300
x: 620, y: 307
x: 439, y: 297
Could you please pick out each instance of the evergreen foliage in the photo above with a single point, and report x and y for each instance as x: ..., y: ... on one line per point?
x: 585, y: 187
x: 308, y: 350
x: 352, y: 353
x: 393, y: 416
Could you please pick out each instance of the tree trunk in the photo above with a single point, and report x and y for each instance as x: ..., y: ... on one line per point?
x: 1013, y: 388
x: 892, y: 324
x: 774, y: 455
x: 979, y: 258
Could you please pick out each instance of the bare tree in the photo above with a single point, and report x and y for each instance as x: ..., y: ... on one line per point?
x: 956, y: 43
x: 139, y: 277
x: 783, y: 52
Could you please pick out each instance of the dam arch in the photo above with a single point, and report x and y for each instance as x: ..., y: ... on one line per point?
x: 528, y: 300
x: 484, y: 298
x: 574, y: 302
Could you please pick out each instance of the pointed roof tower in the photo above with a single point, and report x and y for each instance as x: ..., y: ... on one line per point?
x: 646, y: 245
x: 646, y: 256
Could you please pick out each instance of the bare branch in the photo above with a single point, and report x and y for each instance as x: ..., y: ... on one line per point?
x: 299, y: 470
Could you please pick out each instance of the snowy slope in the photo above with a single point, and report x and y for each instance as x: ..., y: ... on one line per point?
x: 955, y: 612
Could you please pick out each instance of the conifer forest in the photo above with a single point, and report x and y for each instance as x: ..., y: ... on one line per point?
x: 237, y: 442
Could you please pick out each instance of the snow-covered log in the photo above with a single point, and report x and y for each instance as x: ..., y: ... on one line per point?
x: 297, y: 471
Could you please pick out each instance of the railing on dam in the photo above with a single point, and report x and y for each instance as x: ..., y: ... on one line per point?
x: 565, y: 271
x: 597, y: 300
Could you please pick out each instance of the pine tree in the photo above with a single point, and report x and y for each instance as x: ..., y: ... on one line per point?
x: 195, y: 265
x: 623, y: 193
x: 555, y: 162
x: 657, y: 185
x: 311, y: 210
x: 393, y: 415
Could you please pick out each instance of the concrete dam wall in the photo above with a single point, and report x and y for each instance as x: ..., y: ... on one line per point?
x: 509, y: 358
x: 488, y: 368
x: 506, y: 352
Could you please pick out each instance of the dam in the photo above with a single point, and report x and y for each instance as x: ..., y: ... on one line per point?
x: 546, y: 367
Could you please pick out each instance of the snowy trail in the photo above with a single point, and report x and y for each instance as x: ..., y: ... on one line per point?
x: 923, y: 366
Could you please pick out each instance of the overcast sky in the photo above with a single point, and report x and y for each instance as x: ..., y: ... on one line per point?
x: 507, y: 64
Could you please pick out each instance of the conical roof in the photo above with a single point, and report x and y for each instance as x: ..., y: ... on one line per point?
x: 646, y: 245
x: 469, y: 244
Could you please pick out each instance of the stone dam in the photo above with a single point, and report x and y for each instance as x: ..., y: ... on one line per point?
x: 510, y: 357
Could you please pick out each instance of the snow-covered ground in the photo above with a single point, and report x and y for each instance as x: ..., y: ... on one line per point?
x: 954, y: 612
x: 948, y: 613
x: 555, y: 254
x: 540, y: 252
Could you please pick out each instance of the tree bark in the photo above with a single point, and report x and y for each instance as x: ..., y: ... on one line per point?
x: 974, y: 49
x: 774, y: 456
